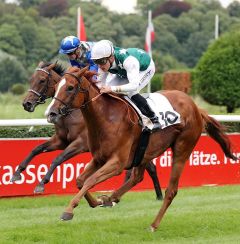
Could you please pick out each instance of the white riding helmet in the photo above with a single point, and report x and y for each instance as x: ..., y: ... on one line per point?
x: 102, y: 49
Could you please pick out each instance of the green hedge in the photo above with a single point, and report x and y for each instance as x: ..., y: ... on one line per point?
x: 38, y: 131
x: 232, y: 127
x: 23, y: 132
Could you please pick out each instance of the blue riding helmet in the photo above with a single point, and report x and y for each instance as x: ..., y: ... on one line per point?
x: 69, y: 44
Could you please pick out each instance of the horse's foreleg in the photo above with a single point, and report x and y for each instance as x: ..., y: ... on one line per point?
x: 89, y: 170
x: 71, y: 150
x: 108, y: 170
x: 151, y: 169
x: 44, y: 147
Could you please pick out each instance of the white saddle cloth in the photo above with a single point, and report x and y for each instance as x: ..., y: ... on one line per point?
x: 163, y: 109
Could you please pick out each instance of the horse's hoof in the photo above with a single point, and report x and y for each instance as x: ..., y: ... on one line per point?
x: 16, y: 177
x: 108, y: 204
x: 39, y: 189
x: 104, y: 201
x: 160, y: 198
x: 152, y: 228
x: 66, y: 216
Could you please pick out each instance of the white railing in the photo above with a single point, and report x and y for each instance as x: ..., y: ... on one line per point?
x: 42, y: 122
x: 23, y: 122
x: 226, y: 118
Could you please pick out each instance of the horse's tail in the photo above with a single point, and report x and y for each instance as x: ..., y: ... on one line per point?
x: 217, y: 132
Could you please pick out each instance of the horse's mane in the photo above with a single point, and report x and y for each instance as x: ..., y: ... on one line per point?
x: 88, y: 74
x: 73, y: 69
x: 58, y: 68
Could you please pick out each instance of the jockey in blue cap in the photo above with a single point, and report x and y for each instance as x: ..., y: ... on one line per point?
x: 78, y: 52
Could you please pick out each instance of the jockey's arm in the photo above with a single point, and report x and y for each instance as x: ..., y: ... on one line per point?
x: 132, y: 67
x: 93, y: 67
x: 101, y: 78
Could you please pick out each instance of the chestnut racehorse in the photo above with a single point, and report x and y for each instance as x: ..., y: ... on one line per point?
x: 70, y: 131
x: 113, y: 134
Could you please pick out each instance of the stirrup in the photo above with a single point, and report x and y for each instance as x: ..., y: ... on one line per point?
x: 156, y: 124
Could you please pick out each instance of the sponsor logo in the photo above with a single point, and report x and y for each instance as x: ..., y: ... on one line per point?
x: 34, y: 174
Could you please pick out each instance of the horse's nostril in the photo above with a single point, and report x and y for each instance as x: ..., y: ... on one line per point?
x: 52, y: 117
x: 27, y: 105
x: 53, y: 114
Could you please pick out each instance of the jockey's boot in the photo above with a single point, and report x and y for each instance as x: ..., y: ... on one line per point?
x: 142, y: 104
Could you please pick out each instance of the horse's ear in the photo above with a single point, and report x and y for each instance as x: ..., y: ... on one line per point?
x: 41, y: 63
x: 51, y: 66
x: 82, y: 71
x: 89, y: 74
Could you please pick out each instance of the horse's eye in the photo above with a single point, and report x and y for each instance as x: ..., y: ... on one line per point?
x: 41, y: 81
x: 70, y: 88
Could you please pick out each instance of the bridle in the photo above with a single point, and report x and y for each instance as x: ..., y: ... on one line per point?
x: 66, y: 109
x: 42, y: 96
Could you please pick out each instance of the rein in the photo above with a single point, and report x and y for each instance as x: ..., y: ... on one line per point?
x: 67, y: 107
x: 128, y: 107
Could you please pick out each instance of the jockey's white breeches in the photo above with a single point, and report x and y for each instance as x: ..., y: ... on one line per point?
x: 144, y: 78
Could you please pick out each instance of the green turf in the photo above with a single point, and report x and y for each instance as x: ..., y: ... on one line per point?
x: 197, y: 215
x: 11, y: 107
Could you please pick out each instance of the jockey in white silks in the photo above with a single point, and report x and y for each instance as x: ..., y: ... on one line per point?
x: 131, y: 70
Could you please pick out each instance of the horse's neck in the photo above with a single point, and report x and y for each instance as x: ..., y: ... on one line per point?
x: 109, y: 129
x: 102, y: 112
x: 95, y: 110
x: 55, y: 79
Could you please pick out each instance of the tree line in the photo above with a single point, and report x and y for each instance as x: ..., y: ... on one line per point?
x: 31, y: 31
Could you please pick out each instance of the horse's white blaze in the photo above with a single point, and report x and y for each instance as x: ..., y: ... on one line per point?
x: 61, y: 83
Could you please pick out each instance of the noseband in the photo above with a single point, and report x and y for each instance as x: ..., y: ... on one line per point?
x: 66, y: 109
x: 42, y: 96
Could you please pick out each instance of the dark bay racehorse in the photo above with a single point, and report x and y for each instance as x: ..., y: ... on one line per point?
x: 113, y: 134
x: 70, y: 131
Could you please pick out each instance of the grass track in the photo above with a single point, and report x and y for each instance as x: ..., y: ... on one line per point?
x: 197, y: 215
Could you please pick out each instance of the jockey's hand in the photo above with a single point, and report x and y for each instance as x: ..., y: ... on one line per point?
x: 105, y: 89
x: 94, y: 79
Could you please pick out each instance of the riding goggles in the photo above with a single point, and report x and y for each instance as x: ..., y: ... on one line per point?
x: 101, y: 61
x: 71, y: 53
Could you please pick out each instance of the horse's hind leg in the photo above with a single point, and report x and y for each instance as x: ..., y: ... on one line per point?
x: 181, y: 152
x: 152, y: 171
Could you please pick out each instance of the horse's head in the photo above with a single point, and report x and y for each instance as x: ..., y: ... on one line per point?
x: 42, y: 84
x: 71, y: 92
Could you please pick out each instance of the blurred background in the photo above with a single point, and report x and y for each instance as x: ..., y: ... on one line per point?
x: 196, y: 44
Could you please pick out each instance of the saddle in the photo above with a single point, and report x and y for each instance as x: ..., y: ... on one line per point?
x: 166, y: 114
